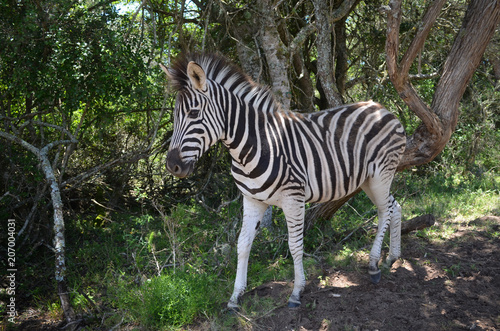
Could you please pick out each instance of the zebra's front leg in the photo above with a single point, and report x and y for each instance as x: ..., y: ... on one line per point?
x: 253, y: 211
x: 294, y: 213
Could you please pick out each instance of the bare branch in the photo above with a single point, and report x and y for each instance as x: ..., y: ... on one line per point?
x: 421, y: 35
x: 48, y: 125
x: 343, y: 10
x: 53, y: 144
x: 399, y: 75
x: 301, y: 37
x: 21, y: 142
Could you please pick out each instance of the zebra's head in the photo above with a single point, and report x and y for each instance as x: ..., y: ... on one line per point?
x: 197, y: 122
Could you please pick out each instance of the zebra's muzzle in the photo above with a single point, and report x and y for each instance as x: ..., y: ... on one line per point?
x: 176, y: 166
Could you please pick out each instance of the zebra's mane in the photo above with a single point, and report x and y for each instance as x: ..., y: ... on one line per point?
x: 217, y: 68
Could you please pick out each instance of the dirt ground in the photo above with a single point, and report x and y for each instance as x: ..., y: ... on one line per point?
x: 439, y: 284
x: 451, y: 284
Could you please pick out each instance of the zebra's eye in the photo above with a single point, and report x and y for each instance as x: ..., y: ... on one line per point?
x: 193, y: 113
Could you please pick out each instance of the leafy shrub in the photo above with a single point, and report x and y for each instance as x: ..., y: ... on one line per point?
x: 170, y: 300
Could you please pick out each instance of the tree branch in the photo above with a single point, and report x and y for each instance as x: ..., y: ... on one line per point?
x: 421, y: 35
x: 301, y: 38
x: 344, y: 9
x: 21, y: 142
x: 53, y: 144
x: 399, y: 75
x: 439, y: 120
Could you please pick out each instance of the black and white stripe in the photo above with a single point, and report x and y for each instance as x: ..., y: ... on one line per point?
x: 285, y: 158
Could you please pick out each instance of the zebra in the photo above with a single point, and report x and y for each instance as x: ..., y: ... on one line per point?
x: 284, y: 158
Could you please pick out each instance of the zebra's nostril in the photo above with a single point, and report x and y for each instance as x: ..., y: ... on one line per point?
x: 177, y: 169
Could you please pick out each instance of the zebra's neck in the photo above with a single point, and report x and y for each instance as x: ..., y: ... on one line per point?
x: 247, y: 123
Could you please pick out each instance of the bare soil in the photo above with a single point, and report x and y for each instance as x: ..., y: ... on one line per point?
x: 448, y: 284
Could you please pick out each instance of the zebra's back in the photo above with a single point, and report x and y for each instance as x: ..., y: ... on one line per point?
x: 324, y: 155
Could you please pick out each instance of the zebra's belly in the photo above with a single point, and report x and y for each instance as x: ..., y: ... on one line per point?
x: 301, y: 187
x: 329, y: 191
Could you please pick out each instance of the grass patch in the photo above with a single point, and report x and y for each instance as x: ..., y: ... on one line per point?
x: 170, y: 300
x: 448, y: 197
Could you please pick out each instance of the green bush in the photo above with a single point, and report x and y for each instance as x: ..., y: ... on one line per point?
x: 170, y: 300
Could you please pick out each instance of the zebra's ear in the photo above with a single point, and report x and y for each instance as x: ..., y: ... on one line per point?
x: 197, y: 76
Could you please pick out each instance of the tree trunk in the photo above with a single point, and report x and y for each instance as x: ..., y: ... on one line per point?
x: 249, y: 60
x: 247, y: 46
x: 275, y: 52
x: 303, y: 89
x: 438, y: 120
x: 341, y: 55
x: 326, y: 73
x: 59, y: 239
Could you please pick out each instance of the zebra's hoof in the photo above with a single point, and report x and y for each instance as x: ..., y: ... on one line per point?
x: 232, y: 308
x: 390, y: 261
x: 375, y: 278
x: 293, y: 304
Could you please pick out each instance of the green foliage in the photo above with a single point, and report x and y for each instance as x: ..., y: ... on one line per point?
x: 449, y: 195
x: 473, y: 146
x: 170, y: 300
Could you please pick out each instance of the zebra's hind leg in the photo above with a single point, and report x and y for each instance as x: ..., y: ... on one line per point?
x: 378, y: 192
x: 253, y: 211
x: 383, y: 223
x: 395, y: 229
x: 294, y: 212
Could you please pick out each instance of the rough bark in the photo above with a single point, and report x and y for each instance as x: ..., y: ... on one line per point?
x: 275, y: 53
x: 249, y: 60
x: 324, y: 42
x: 245, y: 30
x: 341, y: 56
